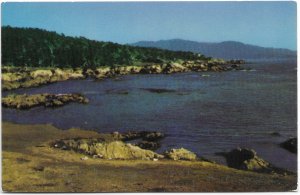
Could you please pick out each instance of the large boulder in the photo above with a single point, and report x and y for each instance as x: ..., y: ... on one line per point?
x: 41, y: 73
x: 247, y: 159
x: 180, y: 154
x: 148, y: 145
x: 103, y: 72
x: 135, y: 69
x: 151, y: 69
x: 59, y: 75
x: 290, y: 145
x: 174, y: 67
x: 77, y: 74
x: 144, y: 135
x: 153, y: 136
x: 106, y: 150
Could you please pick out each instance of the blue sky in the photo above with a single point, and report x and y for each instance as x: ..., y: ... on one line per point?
x: 270, y: 24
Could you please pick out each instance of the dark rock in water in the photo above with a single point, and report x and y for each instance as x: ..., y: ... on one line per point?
x: 131, y: 135
x: 145, y: 135
x: 148, y: 145
x: 247, y: 159
x: 290, y: 145
x: 275, y: 134
x: 150, y: 140
x: 153, y: 136
x: 237, y: 61
x: 236, y: 67
x: 119, y: 92
x: 154, y: 90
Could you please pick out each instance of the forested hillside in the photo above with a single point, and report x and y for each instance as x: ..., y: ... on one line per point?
x: 40, y: 48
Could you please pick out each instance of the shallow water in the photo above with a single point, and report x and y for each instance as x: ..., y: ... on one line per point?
x: 204, y: 112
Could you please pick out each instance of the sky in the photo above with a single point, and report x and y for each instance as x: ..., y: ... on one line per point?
x: 268, y: 24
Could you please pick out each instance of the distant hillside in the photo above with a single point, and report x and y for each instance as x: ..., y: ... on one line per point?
x: 226, y: 50
x: 40, y: 48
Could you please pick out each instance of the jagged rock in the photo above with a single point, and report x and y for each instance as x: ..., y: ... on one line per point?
x: 148, y: 145
x: 12, y: 77
x: 236, y: 61
x: 59, y: 75
x: 107, y: 150
x: 153, y: 136
x: 135, y: 69
x: 151, y: 69
x: 290, y: 145
x: 47, y: 100
x: 216, y: 68
x: 131, y: 135
x: 103, y: 72
x: 174, y: 68
x: 41, y: 73
x: 180, y: 154
x: 145, y: 135
x: 247, y: 159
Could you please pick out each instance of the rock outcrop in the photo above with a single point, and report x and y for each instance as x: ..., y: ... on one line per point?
x: 247, y: 159
x: 47, y: 100
x: 180, y: 154
x: 106, y: 150
x: 144, y: 135
x: 13, y: 78
x: 144, y: 139
x: 148, y: 145
x: 290, y: 145
x: 174, y: 68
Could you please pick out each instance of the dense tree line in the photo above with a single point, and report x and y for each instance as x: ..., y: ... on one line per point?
x: 40, y: 48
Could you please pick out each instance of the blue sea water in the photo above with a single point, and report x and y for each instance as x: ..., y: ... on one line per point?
x: 204, y: 112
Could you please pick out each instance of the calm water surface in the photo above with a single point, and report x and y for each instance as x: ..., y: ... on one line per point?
x: 206, y: 112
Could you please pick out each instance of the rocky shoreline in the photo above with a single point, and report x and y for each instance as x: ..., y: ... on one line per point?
x: 48, y: 159
x: 116, y: 148
x: 14, y: 77
x: 47, y: 100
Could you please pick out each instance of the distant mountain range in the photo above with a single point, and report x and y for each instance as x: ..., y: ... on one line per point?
x: 226, y: 49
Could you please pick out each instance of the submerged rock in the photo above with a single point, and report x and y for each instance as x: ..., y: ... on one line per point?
x: 290, y: 145
x: 107, y: 150
x: 158, y: 90
x: 275, y: 134
x: 47, y: 100
x: 180, y: 154
x: 41, y: 73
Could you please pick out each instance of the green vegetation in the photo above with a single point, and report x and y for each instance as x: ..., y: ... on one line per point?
x: 32, y: 47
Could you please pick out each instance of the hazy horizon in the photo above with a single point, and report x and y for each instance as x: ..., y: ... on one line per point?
x: 265, y: 24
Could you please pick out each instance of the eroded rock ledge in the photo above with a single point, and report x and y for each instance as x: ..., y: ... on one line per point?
x: 46, y: 100
x: 99, y: 148
x: 13, y: 78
